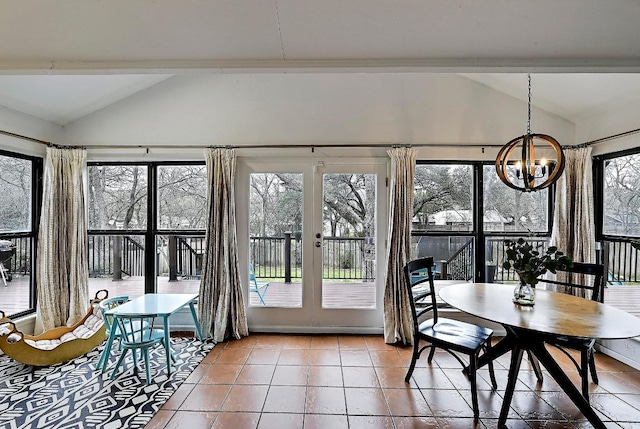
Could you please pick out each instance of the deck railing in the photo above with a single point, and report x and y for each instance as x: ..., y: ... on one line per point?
x: 496, y: 250
x: 621, y: 260
x: 115, y: 256
x: 20, y: 261
x: 344, y: 258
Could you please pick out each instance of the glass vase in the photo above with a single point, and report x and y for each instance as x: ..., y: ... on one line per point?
x: 524, y: 294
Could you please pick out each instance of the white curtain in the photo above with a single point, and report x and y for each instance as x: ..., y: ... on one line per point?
x: 62, y: 272
x: 397, y: 318
x: 573, y: 229
x: 221, y: 304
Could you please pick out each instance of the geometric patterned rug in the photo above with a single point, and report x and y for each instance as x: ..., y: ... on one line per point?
x: 75, y: 395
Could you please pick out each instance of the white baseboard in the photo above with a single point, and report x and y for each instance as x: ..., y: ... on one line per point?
x: 316, y: 330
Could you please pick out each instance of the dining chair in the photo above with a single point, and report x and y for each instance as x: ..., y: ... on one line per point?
x: 138, y: 333
x: 450, y: 335
x: 105, y: 305
x: 255, y: 286
x: 589, y: 278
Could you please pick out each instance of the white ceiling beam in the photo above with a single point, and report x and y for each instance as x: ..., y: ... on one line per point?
x: 435, y: 65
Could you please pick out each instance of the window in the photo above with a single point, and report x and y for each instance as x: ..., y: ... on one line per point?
x: 444, y: 215
x: 443, y: 197
x: 118, y: 197
x: 19, y: 178
x: 137, y: 245
x: 621, y: 192
x: 507, y: 209
x: 620, y: 224
x: 453, y: 211
x: 182, y: 197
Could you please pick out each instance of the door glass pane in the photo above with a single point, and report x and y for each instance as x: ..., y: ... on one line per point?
x: 443, y: 198
x: 349, y: 237
x: 182, y: 197
x: 275, y: 240
x: 15, y: 210
x: 117, y: 197
x: 507, y: 209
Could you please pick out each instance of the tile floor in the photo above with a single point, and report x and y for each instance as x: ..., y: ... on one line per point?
x: 335, y: 381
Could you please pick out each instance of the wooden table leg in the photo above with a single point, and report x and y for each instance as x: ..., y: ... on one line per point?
x: 514, y: 369
x: 539, y: 350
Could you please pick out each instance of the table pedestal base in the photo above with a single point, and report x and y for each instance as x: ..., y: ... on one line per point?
x: 519, y: 341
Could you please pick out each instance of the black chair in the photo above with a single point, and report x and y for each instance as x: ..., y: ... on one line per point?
x: 450, y: 335
x: 590, y: 278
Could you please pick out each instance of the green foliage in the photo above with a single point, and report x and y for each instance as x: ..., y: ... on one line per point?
x: 529, y: 263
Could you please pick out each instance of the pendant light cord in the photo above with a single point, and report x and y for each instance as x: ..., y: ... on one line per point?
x: 529, y: 106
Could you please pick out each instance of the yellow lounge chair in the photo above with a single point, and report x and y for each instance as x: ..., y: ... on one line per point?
x: 55, y: 345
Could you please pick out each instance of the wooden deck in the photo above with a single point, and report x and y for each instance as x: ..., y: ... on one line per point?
x: 14, y: 297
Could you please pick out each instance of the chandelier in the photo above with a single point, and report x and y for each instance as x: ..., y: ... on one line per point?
x: 527, y: 173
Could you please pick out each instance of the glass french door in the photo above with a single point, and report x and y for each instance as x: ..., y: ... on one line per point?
x: 313, y: 235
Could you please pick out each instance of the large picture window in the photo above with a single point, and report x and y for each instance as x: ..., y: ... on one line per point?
x: 459, y: 205
x: 146, y: 227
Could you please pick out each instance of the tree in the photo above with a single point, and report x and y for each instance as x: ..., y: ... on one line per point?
x: 526, y: 211
x: 15, y: 182
x: 441, y: 187
x: 118, y: 197
x: 622, y: 195
x: 276, y: 203
x: 349, y: 201
x: 182, y: 196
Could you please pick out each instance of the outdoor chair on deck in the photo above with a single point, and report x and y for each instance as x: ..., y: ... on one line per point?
x: 255, y: 286
x: 450, y: 335
x: 594, y: 289
x: 137, y: 333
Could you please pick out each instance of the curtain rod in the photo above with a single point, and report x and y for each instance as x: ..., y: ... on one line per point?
x: 606, y: 139
x: 301, y: 146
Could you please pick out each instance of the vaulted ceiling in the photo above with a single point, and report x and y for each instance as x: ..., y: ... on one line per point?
x: 61, y: 61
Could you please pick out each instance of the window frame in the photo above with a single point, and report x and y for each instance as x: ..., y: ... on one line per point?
x: 598, y: 194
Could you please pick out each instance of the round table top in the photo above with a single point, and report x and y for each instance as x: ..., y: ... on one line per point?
x: 553, y: 313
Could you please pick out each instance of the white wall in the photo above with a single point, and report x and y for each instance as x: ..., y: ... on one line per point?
x: 624, y: 117
x: 329, y: 108
x: 20, y: 123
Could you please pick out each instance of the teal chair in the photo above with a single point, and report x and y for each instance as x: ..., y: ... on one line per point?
x: 255, y: 286
x: 105, y: 305
x: 137, y: 333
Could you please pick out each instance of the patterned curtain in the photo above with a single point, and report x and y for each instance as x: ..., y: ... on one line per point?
x: 573, y: 225
x: 221, y: 304
x: 62, y: 272
x: 397, y: 319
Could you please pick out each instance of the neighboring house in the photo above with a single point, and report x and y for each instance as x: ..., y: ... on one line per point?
x: 462, y: 219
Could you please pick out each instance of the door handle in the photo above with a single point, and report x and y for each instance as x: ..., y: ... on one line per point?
x: 318, y: 244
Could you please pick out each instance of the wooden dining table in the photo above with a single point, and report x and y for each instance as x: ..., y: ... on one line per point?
x: 528, y: 327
